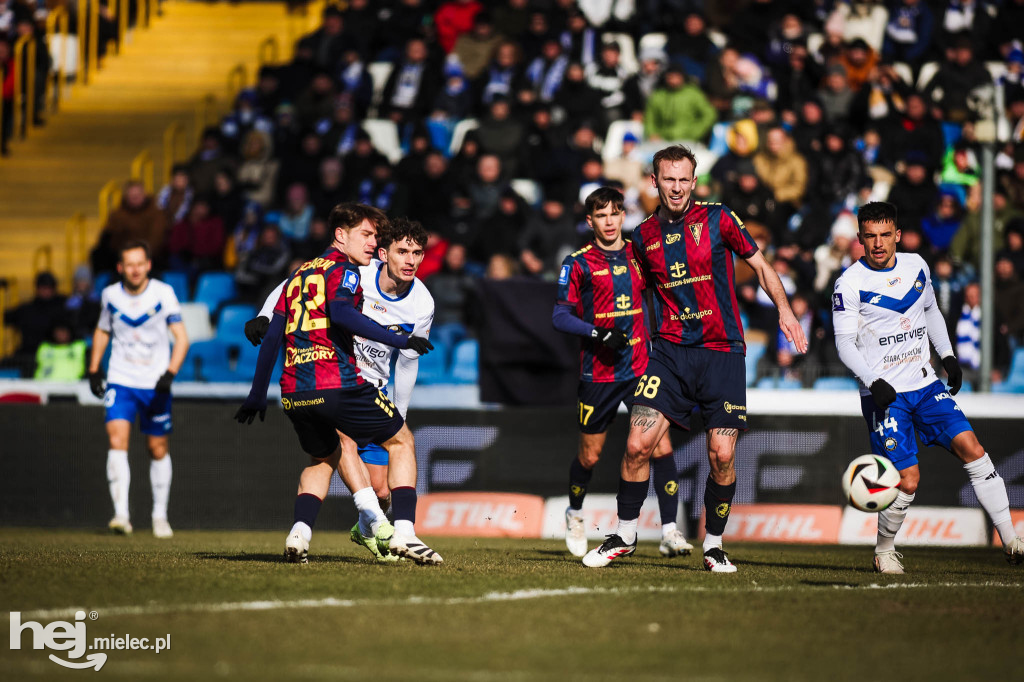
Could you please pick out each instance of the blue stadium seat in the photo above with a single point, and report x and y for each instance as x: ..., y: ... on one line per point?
x: 10, y: 373
x: 779, y: 384
x: 1011, y: 385
x: 214, y: 289
x: 434, y: 365
x: 179, y: 282
x: 217, y: 360
x: 100, y: 282
x: 836, y: 384
x: 465, y: 359
x: 1017, y: 365
x: 951, y: 133
x: 232, y: 319
x: 755, y: 351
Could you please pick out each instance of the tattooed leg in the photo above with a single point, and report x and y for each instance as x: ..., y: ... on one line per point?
x: 647, y: 426
x: 722, y: 454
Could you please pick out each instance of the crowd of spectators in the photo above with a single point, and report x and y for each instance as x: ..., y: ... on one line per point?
x: 802, y: 111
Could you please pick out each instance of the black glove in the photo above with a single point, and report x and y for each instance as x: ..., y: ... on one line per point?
x: 420, y: 345
x: 613, y: 338
x: 256, y: 329
x: 96, y: 383
x: 883, y: 393
x: 247, y: 413
x: 163, y: 384
x: 953, y: 373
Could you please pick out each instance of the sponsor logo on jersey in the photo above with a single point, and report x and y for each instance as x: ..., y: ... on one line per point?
x: 563, y: 275
x: 600, y: 272
x: 687, y: 315
x: 379, y: 307
x: 672, y: 238
x: 894, y: 281
x: 837, y: 302
x: 696, y: 228
x: 678, y: 270
x: 292, y: 404
x: 619, y: 269
x: 943, y: 396
x: 729, y: 407
x: 351, y: 281
x: 918, y: 285
x: 891, y: 339
x: 875, y: 299
x: 623, y: 302
x: 301, y: 356
x: 904, y: 323
x: 655, y: 245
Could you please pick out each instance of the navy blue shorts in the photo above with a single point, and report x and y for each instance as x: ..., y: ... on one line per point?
x: 364, y: 414
x: 681, y: 378
x: 599, y: 401
x: 929, y: 412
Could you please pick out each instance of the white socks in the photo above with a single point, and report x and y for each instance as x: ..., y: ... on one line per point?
x: 119, y: 477
x: 712, y: 541
x: 991, y: 492
x: 302, y: 529
x: 405, y: 528
x: 667, y: 528
x: 627, y: 531
x: 160, y: 480
x: 889, y: 522
x: 370, y: 514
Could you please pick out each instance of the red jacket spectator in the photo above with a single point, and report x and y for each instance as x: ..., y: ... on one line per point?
x: 197, y: 241
x: 453, y: 19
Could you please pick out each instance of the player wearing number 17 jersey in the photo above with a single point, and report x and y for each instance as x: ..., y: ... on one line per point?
x: 885, y: 314
x: 686, y: 252
x: 317, y: 317
x: 600, y: 298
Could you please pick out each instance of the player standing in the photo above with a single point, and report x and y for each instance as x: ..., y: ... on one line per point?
x: 395, y: 299
x: 317, y: 316
x: 885, y: 314
x: 685, y: 251
x: 139, y: 315
x: 600, y: 298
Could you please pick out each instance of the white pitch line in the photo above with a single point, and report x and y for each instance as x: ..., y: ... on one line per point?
x: 489, y: 597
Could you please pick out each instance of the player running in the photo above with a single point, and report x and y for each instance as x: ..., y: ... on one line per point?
x: 398, y: 301
x: 885, y: 314
x: 140, y: 315
x: 317, y: 316
x: 685, y: 250
x: 600, y: 298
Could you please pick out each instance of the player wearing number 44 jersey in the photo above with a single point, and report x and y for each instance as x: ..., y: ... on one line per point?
x: 600, y: 291
x: 885, y: 314
x: 317, y: 317
x: 685, y: 251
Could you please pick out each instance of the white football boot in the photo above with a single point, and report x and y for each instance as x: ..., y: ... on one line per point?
x: 1015, y: 551
x: 296, y: 549
x: 411, y: 547
x: 717, y: 561
x: 575, y: 532
x: 162, y: 529
x: 120, y: 525
x: 611, y: 549
x: 674, y: 543
x: 889, y: 562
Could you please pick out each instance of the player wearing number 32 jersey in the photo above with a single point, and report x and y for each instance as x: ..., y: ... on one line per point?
x: 317, y: 316
x: 885, y: 314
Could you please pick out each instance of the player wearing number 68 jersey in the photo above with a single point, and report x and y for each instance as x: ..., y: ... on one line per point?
x: 885, y: 314
x: 600, y: 298
x: 317, y: 316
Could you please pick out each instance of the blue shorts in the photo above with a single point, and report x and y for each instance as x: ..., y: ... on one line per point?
x: 930, y: 412
x: 373, y: 453
x: 152, y: 408
x: 681, y: 378
x: 599, y: 401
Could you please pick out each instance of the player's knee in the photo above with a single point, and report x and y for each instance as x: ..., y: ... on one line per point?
x: 721, y: 459
x: 589, y: 455
x: 382, y: 491
x: 639, y: 448
x: 908, y: 483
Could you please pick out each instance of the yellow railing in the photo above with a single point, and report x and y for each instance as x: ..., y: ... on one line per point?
x: 109, y: 200
x: 24, y: 93
x: 206, y: 114
x: 42, y: 260
x: 142, y: 169
x: 268, y: 52
x: 88, y: 40
x: 143, y: 8
x: 175, y: 147
x: 122, y: 24
x: 8, y: 299
x: 57, y: 23
x: 237, y: 80
x: 75, y: 243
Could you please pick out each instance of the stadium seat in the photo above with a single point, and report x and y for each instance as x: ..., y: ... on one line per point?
x: 612, y: 148
x: 232, y: 319
x: 196, y: 317
x: 1017, y: 365
x: 461, y: 128
x: 1011, y: 385
x: 836, y: 384
x: 719, y: 137
x: 627, y: 50
x: 996, y: 69
x: 465, y: 362
x: 814, y: 42
x: 379, y: 74
x: 384, y: 134
x: 433, y: 367
x: 214, y: 289
x: 101, y: 281
x: 904, y: 71
x: 10, y: 373
x: 779, y: 384
x: 755, y: 351
x: 216, y: 360
x: 528, y: 189
x: 928, y: 71
x: 178, y: 281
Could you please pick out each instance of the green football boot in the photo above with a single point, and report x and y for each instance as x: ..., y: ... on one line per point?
x: 374, y: 544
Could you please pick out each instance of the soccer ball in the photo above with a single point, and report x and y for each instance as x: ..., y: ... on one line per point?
x: 870, y: 483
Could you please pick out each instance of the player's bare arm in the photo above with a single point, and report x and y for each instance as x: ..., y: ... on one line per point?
x: 772, y: 285
x: 180, y: 349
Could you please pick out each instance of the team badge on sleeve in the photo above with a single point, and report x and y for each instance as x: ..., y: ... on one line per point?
x: 351, y: 281
x: 837, y: 302
x: 563, y: 276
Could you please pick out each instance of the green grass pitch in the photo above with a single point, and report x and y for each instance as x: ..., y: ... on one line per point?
x: 510, y: 610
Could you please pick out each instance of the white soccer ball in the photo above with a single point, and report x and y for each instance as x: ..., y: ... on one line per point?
x: 870, y: 483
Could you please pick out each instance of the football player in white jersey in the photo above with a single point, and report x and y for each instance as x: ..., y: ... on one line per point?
x: 139, y: 317
x: 394, y: 298
x: 885, y: 314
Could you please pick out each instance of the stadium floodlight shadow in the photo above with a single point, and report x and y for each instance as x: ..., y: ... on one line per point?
x: 275, y: 558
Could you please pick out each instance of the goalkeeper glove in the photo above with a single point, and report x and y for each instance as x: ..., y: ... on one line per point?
x: 419, y: 344
x: 163, y: 384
